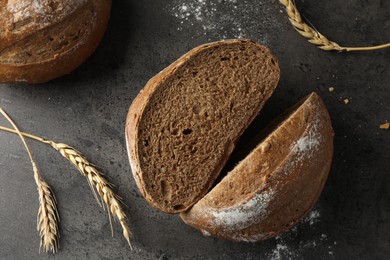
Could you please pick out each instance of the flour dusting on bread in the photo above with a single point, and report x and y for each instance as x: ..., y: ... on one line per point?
x: 41, y: 12
x: 306, y: 143
x: 240, y: 217
x: 310, y: 141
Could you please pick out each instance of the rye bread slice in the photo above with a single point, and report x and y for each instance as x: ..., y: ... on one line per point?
x: 276, y: 184
x: 184, y: 124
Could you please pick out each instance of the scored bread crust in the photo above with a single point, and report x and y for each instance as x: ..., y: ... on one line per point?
x: 275, y: 185
x: 43, y: 40
x: 140, y: 103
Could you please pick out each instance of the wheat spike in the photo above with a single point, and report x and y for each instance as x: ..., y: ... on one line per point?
x: 101, y: 188
x: 47, y: 218
x: 97, y: 182
x: 316, y: 37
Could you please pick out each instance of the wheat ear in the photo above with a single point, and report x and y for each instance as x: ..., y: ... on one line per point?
x: 47, y: 219
x: 96, y: 180
x: 47, y: 216
x: 316, y: 37
x: 98, y: 184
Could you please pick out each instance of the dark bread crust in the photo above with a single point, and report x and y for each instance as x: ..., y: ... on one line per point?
x: 54, y: 40
x: 142, y: 104
x: 276, y: 185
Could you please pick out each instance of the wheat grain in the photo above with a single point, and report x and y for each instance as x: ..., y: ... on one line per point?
x: 100, y: 187
x: 316, y: 37
x: 47, y: 218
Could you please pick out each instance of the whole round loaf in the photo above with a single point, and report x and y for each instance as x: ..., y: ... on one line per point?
x: 44, y: 39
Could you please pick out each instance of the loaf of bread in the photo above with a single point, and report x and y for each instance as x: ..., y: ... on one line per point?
x: 184, y: 124
x: 274, y: 186
x: 43, y: 40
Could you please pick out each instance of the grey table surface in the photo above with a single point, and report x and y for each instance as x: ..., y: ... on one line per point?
x: 87, y: 109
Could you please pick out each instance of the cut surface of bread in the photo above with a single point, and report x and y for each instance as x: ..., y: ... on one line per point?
x: 42, y: 40
x: 276, y: 184
x: 184, y: 124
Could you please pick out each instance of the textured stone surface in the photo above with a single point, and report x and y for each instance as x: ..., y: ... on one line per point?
x: 87, y: 109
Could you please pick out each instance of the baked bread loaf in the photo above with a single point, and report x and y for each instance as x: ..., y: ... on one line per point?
x: 42, y: 40
x: 276, y: 184
x: 184, y: 124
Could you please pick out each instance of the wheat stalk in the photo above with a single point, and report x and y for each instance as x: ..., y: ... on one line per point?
x: 316, y: 37
x: 47, y: 219
x: 98, y: 184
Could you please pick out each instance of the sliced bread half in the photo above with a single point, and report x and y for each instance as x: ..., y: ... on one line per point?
x: 184, y: 124
x: 276, y: 184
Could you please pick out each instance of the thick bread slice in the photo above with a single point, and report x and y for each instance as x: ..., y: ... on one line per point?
x: 42, y: 40
x: 183, y: 126
x: 276, y: 184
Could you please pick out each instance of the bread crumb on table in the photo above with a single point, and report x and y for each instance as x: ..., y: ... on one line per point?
x: 384, y: 126
x: 346, y: 101
x: 331, y: 89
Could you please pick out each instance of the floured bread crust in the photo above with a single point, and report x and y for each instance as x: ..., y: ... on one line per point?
x: 42, y: 40
x: 276, y: 184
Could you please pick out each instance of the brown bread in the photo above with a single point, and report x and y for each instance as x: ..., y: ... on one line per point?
x: 276, y: 184
x: 184, y: 124
x: 42, y: 40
